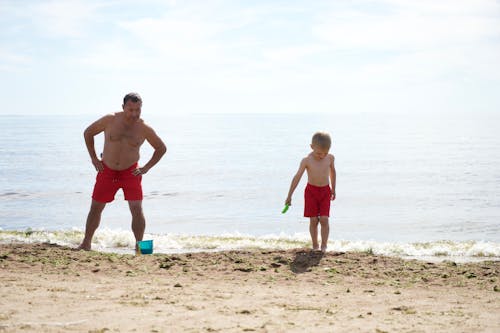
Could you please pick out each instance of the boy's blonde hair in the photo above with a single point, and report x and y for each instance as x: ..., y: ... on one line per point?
x: 322, y: 140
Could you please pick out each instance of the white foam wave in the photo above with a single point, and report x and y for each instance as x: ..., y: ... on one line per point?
x: 123, y: 241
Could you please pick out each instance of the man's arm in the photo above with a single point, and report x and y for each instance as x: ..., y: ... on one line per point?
x: 89, y: 133
x: 159, y: 147
x: 333, y: 177
x: 295, y: 181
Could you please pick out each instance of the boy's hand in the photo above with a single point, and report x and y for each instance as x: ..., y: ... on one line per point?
x: 332, y: 196
x: 288, y: 201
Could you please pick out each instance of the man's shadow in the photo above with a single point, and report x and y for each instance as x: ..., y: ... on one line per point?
x: 304, y: 260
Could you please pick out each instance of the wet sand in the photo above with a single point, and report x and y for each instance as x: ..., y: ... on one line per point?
x: 49, y: 288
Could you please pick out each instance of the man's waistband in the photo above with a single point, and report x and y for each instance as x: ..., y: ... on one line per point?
x: 132, y: 167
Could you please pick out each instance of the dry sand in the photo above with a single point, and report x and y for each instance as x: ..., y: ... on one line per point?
x: 49, y: 288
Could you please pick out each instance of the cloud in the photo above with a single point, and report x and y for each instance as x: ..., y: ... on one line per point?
x: 41, y: 31
x: 270, y: 55
x: 409, y: 25
x: 182, y: 39
x: 290, y: 55
x: 393, y: 43
x: 13, y: 62
x: 63, y: 18
x: 114, y: 55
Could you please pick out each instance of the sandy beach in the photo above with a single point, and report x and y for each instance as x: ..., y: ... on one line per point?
x: 49, y: 288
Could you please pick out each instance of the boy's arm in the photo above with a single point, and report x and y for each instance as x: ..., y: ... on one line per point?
x: 295, y: 181
x: 333, y: 177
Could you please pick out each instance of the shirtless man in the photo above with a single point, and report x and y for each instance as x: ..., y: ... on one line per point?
x: 124, y: 133
x: 321, y: 172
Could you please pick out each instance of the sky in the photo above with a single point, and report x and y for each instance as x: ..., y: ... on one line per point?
x: 216, y: 56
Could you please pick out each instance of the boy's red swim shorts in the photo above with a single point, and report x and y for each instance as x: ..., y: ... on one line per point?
x: 109, y: 181
x: 317, y: 200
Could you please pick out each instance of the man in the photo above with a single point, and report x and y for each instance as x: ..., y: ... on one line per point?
x: 124, y: 133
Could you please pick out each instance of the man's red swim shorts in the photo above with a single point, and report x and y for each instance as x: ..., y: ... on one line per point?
x: 109, y: 181
x: 317, y: 201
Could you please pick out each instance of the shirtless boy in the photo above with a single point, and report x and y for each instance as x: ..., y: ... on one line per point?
x: 318, y: 193
x: 124, y: 133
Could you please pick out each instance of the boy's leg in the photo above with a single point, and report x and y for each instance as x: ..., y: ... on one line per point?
x: 313, y: 230
x: 93, y: 220
x: 325, y: 231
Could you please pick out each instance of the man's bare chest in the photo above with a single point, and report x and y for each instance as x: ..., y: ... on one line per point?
x: 120, y: 134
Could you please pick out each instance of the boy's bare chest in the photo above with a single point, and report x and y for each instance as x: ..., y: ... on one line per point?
x: 321, y: 166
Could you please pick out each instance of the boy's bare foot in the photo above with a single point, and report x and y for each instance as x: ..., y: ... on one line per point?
x: 323, y: 249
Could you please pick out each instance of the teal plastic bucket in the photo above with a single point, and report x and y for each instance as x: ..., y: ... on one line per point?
x: 145, y: 246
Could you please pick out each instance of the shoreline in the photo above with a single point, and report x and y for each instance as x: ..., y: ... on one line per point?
x: 121, y: 241
x: 51, y: 288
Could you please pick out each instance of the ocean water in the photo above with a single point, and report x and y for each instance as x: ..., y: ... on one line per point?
x: 418, y: 185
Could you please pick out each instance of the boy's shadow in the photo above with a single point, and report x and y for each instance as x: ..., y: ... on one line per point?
x: 304, y: 260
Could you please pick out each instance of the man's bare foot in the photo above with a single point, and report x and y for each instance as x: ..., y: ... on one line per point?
x: 323, y: 248
x: 83, y: 247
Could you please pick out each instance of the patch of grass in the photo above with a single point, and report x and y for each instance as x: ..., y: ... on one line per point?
x: 281, y: 260
x: 303, y: 308
x: 244, y: 269
x: 246, y: 312
x: 4, y: 316
x: 331, y: 270
x: 405, y: 309
x: 130, y: 273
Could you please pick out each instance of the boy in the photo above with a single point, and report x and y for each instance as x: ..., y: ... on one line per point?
x: 318, y: 193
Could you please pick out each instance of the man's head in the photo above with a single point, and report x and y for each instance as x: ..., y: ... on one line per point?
x: 321, y: 143
x: 132, y: 104
x: 133, y: 96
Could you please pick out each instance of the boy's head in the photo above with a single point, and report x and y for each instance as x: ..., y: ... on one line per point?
x: 320, y: 144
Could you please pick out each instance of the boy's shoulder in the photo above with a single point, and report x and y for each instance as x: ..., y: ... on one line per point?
x: 311, y: 157
x: 308, y: 157
x: 331, y: 158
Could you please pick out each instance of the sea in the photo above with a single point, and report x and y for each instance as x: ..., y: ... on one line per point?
x: 423, y: 186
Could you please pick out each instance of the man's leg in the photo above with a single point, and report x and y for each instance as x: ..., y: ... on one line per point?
x: 93, y: 220
x: 313, y: 230
x: 325, y: 231
x: 138, y: 220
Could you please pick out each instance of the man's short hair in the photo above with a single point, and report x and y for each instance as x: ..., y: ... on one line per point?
x: 322, y: 140
x: 133, y: 97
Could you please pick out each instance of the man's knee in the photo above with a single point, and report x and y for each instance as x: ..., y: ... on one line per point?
x: 97, y: 207
x: 136, y: 209
x: 323, y: 220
